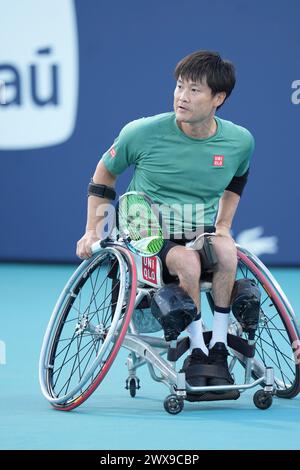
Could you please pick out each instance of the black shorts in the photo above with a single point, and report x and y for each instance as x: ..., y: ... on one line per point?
x: 168, y: 244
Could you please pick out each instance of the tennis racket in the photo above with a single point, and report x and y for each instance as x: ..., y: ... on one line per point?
x: 140, y: 223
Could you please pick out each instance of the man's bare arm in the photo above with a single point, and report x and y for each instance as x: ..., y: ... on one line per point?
x: 96, y: 206
x: 227, y: 209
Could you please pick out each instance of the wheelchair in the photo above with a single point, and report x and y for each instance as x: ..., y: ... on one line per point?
x: 105, y: 305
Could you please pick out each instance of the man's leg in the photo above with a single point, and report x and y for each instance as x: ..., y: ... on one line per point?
x: 223, y: 281
x: 185, y: 264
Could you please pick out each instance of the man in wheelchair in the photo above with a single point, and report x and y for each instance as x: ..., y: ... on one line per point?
x: 186, y: 157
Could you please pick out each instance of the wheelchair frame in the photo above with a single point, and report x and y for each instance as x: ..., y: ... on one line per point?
x: 148, y: 349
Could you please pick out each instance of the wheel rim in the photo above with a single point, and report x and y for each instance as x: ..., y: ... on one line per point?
x: 83, y: 344
x: 173, y: 405
x: 275, y: 333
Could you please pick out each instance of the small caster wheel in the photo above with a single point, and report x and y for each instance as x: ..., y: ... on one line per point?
x: 132, y: 388
x: 262, y: 400
x: 132, y: 384
x: 173, y: 404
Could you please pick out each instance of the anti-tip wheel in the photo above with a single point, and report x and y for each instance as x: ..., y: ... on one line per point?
x: 262, y: 400
x: 173, y: 404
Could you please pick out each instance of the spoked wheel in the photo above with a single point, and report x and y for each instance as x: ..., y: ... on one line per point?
x: 87, y: 327
x: 277, y: 337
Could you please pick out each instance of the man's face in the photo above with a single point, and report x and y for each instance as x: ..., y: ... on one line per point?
x: 194, y: 102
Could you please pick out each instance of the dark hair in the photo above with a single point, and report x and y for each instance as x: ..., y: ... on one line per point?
x: 219, y: 73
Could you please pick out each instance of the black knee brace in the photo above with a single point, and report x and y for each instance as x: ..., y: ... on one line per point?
x: 245, y: 303
x: 174, y: 309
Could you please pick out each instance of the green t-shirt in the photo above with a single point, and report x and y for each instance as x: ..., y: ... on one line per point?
x: 188, y: 174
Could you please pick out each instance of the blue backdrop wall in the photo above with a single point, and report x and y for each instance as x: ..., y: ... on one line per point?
x: 73, y: 73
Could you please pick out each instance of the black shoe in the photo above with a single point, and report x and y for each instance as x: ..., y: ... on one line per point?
x: 193, y: 366
x: 218, y: 356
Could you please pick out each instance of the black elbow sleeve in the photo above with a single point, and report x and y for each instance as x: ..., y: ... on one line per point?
x: 101, y: 190
x: 238, y: 183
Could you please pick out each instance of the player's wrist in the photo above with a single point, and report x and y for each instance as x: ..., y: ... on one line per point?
x: 90, y: 231
x: 223, y: 230
x: 223, y: 226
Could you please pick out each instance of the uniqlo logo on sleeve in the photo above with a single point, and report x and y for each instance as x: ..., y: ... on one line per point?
x: 218, y: 160
x: 112, y: 152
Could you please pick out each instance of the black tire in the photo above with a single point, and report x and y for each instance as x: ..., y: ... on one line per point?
x: 173, y: 404
x: 277, y: 338
x: 132, y: 388
x: 87, y: 328
x: 262, y: 400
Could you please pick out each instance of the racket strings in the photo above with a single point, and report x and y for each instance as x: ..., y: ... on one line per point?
x: 139, y: 220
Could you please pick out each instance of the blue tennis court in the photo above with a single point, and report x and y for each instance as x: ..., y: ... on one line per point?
x: 110, y: 418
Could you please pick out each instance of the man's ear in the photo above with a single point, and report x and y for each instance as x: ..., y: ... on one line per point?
x: 219, y: 98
